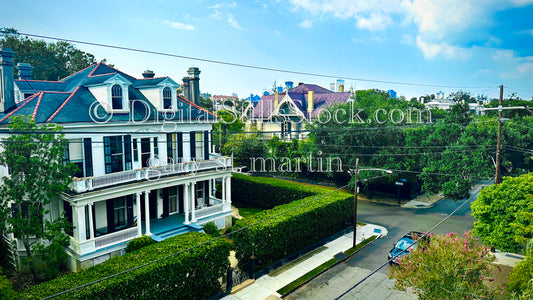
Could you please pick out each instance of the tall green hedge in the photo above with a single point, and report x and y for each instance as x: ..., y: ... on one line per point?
x: 318, y: 217
x: 191, y: 275
x: 259, y: 192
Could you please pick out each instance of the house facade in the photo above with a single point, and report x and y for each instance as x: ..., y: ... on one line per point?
x: 145, y: 158
x: 283, y: 114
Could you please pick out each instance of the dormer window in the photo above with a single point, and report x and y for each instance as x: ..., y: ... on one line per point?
x: 167, y: 98
x: 116, y: 96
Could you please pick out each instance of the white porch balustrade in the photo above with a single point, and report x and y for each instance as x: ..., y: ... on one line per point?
x: 80, y: 185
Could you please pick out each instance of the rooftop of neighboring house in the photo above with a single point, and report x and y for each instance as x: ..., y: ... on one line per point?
x: 73, y: 98
x: 299, y: 95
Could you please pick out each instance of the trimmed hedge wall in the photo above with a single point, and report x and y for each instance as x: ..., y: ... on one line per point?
x: 283, y: 235
x: 191, y: 275
x: 259, y: 192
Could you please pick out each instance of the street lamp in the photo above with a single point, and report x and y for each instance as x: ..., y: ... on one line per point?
x: 355, y: 196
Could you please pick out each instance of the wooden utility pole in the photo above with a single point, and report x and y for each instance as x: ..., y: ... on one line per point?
x: 355, y: 203
x: 499, y: 142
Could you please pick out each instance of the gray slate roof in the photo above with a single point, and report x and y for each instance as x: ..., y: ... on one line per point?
x: 69, y: 100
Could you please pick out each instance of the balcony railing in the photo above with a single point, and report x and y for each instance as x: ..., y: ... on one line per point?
x: 80, y: 185
x: 212, y: 210
x: 116, y: 237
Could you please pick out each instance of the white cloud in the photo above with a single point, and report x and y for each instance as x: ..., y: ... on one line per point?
x: 233, y: 23
x: 179, y: 25
x: 526, y: 68
x: 431, y: 50
x: 376, y: 21
x: 224, y: 5
x: 306, y: 24
x: 216, y: 15
x: 407, y: 39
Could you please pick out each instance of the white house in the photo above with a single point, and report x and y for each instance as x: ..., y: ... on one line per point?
x: 144, y: 153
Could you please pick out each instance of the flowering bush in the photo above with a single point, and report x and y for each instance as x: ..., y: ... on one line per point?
x: 450, y: 267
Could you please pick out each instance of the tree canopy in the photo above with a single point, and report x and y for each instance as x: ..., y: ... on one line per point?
x: 499, y: 207
x: 38, y: 176
x: 50, y: 61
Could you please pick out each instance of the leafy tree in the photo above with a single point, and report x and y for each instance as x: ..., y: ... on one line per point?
x: 206, y: 103
x: 462, y: 96
x: 6, y: 288
x: 50, y: 61
x: 243, y: 147
x: 449, y: 267
x: 38, y: 176
x: 498, y: 207
x: 228, y: 124
x: 521, y: 278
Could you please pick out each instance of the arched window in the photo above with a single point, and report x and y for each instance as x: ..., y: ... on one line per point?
x: 116, y: 96
x: 167, y: 98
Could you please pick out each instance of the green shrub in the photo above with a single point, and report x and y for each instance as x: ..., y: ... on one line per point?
x: 6, y: 288
x: 305, y: 221
x: 212, y: 229
x: 193, y: 274
x: 520, y: 276
x: 265, y: 192
x: 138, y: 243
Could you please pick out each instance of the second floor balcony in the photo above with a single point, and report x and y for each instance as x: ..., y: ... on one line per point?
x: 215, y: 163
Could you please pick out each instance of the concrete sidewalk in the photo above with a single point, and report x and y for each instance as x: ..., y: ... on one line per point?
x: 267, y: 285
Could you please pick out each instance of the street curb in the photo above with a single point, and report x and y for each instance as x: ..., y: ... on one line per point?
x: 340, y: 261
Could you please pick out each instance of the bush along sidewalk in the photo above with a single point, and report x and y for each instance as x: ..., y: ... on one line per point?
x: 193, y: 274
x: 290, y: 227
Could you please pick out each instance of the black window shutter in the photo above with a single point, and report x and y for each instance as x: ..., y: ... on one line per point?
x: 110, y: 216
x: 165, y: 203
x: 206, y: 145
x: 170, y: 155
x: 88, y: 159
x: 129, y: 209
x: 180, y: 199
x: 180, y: 146
x: 127, y: 152
x: 107, y: 154
x: 68, y: 213
x: 193, y: 145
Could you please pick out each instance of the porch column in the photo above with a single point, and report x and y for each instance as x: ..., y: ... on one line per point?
x: 193, y: 202
x: 139, y: 217
x: 78, y: 213
x: 209, y: 188
x: 91, y: 220
x: 223, y: 189
x: 228, y: 189
x: 147, y: 212
x: 186, y: 202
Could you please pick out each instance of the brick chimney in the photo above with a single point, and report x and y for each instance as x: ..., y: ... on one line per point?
x: 7, y: 83
x: 194, y: 85
x: 24, y: 71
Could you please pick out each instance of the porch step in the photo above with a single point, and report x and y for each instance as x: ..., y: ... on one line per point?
x: 176, y: 231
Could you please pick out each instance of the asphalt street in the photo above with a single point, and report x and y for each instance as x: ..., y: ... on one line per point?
x: 398, y: 221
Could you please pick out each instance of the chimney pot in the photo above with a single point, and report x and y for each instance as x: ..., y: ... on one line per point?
x: 24, y: 71
x: 148, y: 74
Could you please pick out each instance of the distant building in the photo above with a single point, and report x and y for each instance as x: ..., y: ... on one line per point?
x: 392, y: 93
x: 253, y: 98
x: 222, y: 102
x: 285, y: 112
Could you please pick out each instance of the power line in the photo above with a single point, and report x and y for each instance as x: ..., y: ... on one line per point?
x: 241, y: 65
x: 407, y: 248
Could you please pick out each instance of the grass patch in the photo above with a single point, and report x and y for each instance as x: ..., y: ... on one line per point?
x: 247, y: 212
x: 351, y: 251
x: 293, y: 263
x: 307, y: 276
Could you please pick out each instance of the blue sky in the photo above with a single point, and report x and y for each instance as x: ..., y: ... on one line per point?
x: 473, y: 45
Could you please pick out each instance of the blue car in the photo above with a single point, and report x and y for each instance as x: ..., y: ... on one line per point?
x: 403, y: 243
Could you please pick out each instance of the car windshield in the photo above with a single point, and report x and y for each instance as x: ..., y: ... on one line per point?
x: 404, y: 244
